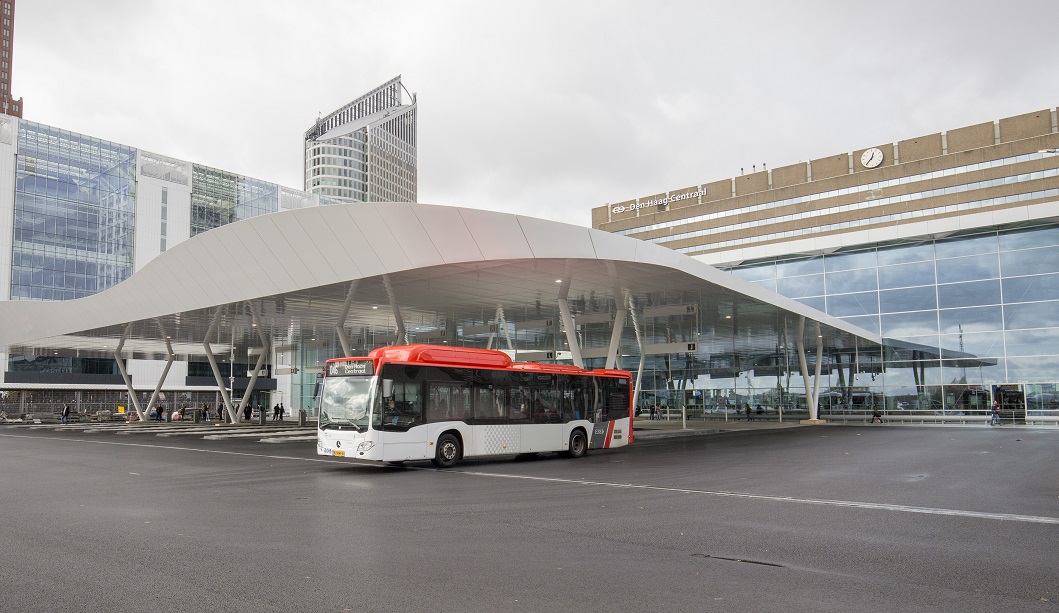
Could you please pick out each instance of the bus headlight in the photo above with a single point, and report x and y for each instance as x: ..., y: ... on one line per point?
x: 365, y: 446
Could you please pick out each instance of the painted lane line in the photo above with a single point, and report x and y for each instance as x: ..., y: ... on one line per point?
x: 877, y: 506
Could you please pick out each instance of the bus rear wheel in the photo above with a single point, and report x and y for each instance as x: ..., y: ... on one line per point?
x: 578, y: 445
x: 448, y: 452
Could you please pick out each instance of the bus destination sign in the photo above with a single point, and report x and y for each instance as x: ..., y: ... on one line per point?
x: 358, y: 368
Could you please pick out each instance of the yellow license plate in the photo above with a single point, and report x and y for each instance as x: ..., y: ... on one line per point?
x: 340, y: 454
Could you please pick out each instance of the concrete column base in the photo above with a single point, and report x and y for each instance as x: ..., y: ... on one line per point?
x: 813, y: 422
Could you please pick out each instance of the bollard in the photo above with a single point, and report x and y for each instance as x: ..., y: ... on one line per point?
x: 303, y: 417
x: 197, y: 415
x: 261, y: 417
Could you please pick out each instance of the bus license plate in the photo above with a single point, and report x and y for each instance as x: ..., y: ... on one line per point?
x: 339, y: 454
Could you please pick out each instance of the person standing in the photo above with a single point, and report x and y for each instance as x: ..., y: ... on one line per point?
x: 275, y: 411
x: 995, y: 421
x: 64, y: 417
x: 746, y: 407
x: 281, y: 411
x: 247, y: 410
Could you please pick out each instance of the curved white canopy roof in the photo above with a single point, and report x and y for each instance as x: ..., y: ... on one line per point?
x: 295, y: 268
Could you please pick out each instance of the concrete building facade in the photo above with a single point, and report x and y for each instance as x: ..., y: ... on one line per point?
x: 946, y: 244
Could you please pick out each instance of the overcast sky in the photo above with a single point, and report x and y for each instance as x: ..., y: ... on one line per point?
x: 542, y: 108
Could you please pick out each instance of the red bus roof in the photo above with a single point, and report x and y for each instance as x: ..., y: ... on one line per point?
x: 472, y: 357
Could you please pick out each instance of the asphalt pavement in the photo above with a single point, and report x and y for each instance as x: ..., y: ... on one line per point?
x: 743, y: 516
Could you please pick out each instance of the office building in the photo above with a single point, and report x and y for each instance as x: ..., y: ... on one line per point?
x: 9, y: 105
x: 946, y: 244
x: 365, y: 151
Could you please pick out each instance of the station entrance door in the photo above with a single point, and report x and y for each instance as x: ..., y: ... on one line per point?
x: 1012, y: 400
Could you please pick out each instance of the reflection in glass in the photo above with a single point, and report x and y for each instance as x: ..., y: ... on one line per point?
x: 1027, y: 239
x: 852, y: 305
x: 816, y: 302
x: 973, y: 293
x: 910, y: 324
x: 1039, y: 368
x: 971, y: 268
x: 798, y: 287
x: 1033, y: 342
x: 1030, y: 262
x: 981, y: 344
x: 906, y: 275
x: 906, y: 254
x: 755, y: 273
x: 911, y: 299
x: 845, y: 282
x: 869, y: 323
x: 800, y: 267
x: 979, y: 319
x: 851, y: 261
x: 966, y: 246
x: 1031, y: 289
x: 1031, y: 315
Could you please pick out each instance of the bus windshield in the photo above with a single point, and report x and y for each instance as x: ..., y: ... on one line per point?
x: 344, y: 401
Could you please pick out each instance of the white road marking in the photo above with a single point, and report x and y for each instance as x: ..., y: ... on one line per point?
x: 878, y: 506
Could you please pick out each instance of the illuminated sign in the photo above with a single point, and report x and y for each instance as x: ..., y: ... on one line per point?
x: 658, y: 201
x: 358, y: 368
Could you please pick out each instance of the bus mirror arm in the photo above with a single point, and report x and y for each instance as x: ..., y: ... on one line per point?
x: 387, y: 388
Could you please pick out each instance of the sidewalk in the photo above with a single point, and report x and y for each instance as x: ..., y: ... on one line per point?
x: 644, y: 428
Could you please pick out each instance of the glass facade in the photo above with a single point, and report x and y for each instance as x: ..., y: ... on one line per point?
x: 219, y: 198
x: 75, y: 213
x: 962, y: 318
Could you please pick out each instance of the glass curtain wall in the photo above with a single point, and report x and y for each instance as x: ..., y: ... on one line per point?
x: 74, y: 218
x: 962, y: 318
x: 219, y: 198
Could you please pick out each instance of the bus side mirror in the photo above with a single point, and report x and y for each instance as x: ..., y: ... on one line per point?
x: 387, y: 388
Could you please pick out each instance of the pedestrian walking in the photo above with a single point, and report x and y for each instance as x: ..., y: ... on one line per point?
x: 995, y: 420
x: 64, y: 417
x: 746, y: 407
x: 281, y: 411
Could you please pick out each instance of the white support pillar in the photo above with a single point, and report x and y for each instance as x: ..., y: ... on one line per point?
x: 402, y: 333
x: 125, y: 375
x: 260, y: 358
x: 812, y: 394
x: 213, y: 365
x: 168, y: 364
x: 615, y: 336
x: 340, y: 327
x: 639, y: 346
x: 502, y: 323
x: 568, y: 323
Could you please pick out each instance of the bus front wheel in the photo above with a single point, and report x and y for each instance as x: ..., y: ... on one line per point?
x: 448, y: 451
x: 578, y: 444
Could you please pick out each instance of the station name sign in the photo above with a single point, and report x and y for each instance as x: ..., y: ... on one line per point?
x: 358, y: 368
x: 658, y: 201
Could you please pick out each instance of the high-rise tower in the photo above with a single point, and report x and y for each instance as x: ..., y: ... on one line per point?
x: 366, y: 150
x: 8, y: 104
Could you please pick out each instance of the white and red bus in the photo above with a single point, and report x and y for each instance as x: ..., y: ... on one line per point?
x: 431, y: 402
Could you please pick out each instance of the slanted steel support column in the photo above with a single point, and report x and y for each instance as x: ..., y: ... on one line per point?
x: 615, y: 336
x: 340, y: 327
x: 501, y: 324
x: 639, y: 345
x: 260, y: 358
x: 125, y: 374
x: 812, y: 395
x: 402, y: 333
x: 568, y: 323
x: 213, y: 365
x: 168, y: 364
